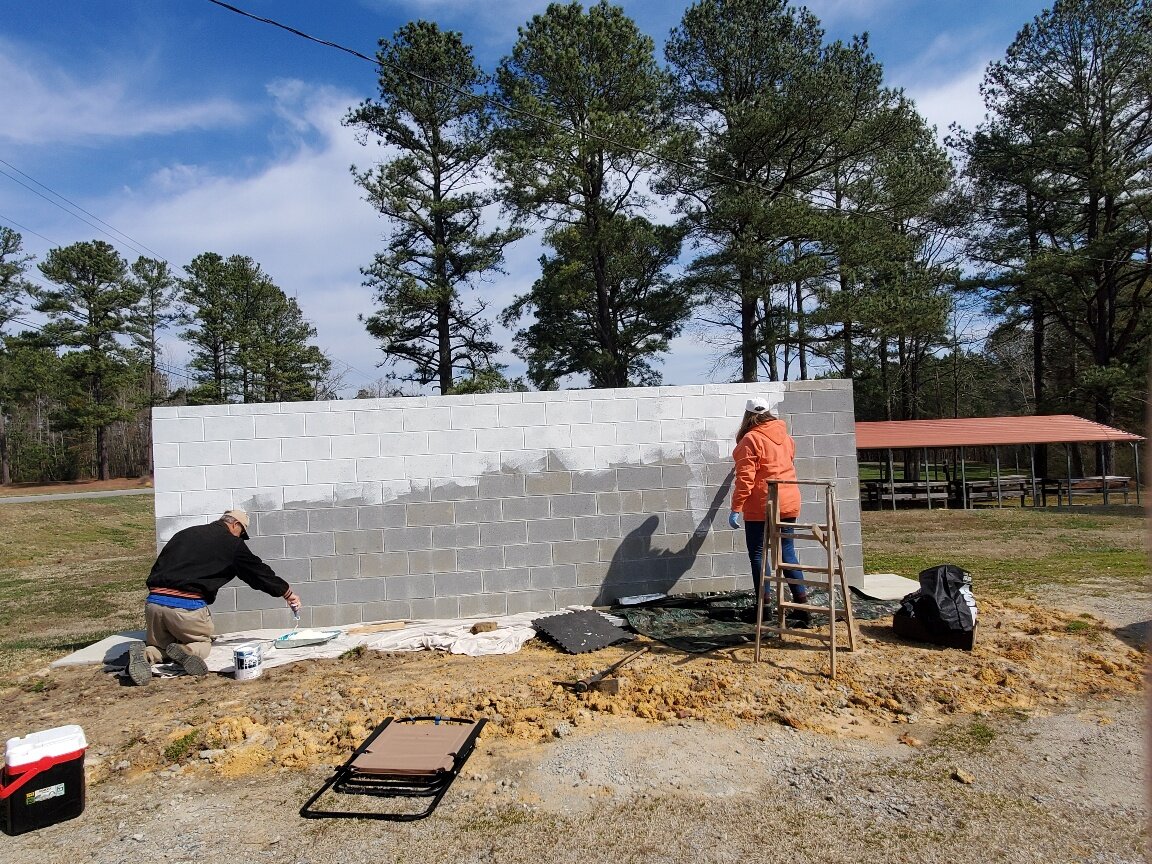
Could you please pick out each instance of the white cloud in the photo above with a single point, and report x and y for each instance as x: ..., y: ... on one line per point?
x: 301, y: 218
x: 41, y: 103
x: 957, y: 100
x: 839, y: 12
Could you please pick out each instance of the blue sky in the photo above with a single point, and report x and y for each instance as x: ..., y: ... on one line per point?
x: 189, y: 129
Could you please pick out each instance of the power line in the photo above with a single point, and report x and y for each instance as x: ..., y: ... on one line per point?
x: 171, y: 370
x: 136, y: 244
x: 16, y: 224
x: 140, y: 246
x: 65, y: 209
x: 564, y: 127
x: 495, y: 103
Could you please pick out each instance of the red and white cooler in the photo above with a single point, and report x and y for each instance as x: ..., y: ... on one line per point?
x: 42, y: 782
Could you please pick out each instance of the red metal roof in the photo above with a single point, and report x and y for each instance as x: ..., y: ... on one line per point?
x: 985, y: 432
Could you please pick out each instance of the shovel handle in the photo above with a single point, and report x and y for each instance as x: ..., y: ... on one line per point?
x: 604, y: 673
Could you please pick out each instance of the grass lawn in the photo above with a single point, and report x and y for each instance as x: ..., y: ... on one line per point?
x: 72, y: 572
x: 1012, y: 551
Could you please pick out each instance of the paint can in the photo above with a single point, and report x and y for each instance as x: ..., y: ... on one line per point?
x: 247, y: 659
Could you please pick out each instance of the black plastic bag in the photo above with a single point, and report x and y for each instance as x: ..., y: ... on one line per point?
x: 942, y: 611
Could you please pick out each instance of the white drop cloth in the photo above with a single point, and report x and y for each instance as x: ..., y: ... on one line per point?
x: 452, y: 634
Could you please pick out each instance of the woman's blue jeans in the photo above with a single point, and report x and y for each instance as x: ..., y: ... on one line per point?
x: 754, y: 536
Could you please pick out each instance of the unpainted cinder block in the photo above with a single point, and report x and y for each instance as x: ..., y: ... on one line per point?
x: 407, y: 539
x: 501, y: 534
x: 480, y: 558
x: 506, y: 580
x: 432, y: 513
x: 531, y: 601
x: 456, y: 584
x: 528, y: 555
x: 459, y: 536
x: 432, y: 561
x: 411, y: 587
x: 480, y: 605
x: 338, y: 616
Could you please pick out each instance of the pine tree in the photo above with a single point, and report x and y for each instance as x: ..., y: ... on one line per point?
x: 88, y: 316
x: 767, y: 114
x: 432, y: 114
x: 249, y: 340
x: 154, y: 314
x: 585, y: 111
x: 13, y: 286
x: 1061, y: 172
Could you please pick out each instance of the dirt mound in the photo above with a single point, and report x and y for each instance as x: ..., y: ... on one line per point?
x: 314, y: 713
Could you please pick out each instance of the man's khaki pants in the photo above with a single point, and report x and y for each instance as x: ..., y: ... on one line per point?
x: 191, y: 628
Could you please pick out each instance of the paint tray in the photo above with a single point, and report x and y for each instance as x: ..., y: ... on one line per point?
x: 303, y: 638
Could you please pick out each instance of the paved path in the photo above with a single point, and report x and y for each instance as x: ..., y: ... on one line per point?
x: 68, y: 496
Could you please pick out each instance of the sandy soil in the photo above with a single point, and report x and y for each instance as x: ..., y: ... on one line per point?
x: 1028, y: 745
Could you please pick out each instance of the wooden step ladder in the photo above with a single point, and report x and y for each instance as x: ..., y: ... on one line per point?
x: 827, y: 536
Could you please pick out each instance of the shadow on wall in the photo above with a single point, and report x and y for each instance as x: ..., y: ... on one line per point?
x: 637, y: 568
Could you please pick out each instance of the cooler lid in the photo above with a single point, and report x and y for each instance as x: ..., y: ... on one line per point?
x: 40, y: 745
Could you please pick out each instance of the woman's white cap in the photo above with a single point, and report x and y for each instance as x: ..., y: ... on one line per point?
x: 762, y: 404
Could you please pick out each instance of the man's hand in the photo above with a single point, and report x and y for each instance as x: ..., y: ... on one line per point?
x: 734, y: 519
x: 293, y: 600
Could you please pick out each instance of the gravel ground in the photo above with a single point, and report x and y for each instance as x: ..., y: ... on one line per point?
x: 1065, y: 786
x: 1058, y: 779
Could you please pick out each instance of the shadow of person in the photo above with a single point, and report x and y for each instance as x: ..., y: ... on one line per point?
x: 1137, y: 635
x: 638, y: 568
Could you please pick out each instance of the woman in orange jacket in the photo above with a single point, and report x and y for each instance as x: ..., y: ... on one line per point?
x: 765, y: 451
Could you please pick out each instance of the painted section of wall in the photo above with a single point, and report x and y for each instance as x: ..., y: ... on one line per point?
x: 442, y: 507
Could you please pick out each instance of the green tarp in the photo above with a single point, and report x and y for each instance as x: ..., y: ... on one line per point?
x: 704, y: 622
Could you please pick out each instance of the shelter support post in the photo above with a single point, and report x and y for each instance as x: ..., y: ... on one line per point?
x: 1136, y: 468
x: 927, y: 479
x: 999, y: 496
x: 1102, y: 457
x: 1067, y: 474
x: 1032, y: 471
x: 891, y: 479
x: 963, y: 480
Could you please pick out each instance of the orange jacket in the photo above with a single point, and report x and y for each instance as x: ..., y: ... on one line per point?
x: 765, y: 453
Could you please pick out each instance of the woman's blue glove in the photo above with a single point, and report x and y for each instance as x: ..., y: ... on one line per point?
x: 734, y: 518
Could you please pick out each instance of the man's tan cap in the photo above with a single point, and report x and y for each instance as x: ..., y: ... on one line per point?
x: 240, y: 516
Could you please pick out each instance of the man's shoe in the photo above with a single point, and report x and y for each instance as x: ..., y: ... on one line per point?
x: 192, y: 664
x: 139, y: 669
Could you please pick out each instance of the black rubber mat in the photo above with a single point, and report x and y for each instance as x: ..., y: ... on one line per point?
x: 581, y: 632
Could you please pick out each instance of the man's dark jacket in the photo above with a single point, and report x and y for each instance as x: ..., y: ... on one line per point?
x: 202, y: 559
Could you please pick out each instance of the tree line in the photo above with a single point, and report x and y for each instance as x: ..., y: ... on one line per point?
x: 762, y: 187
x: 816, y: 227
x: 76, y: 392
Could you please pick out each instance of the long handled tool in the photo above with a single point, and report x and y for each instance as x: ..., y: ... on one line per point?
x: 601, y: 680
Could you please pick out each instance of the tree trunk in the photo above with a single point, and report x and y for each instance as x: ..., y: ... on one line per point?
x: 1039, y: 390
x: 769, y: 341
x: 444, y: 345
x: 5, y: 468
x: 801, y: 332
x: 885, y: 384
x: 748, y: 366
x: 102, y: 452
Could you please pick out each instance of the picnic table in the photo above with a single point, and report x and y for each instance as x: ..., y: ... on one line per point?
x: 1064, y: 488
x: 877, y: 493
x: 969, y: 492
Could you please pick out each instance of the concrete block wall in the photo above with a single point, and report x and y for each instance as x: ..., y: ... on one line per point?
x: 444, y: 507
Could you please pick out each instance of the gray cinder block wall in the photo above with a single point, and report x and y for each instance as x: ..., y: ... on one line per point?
x: 444, y: 507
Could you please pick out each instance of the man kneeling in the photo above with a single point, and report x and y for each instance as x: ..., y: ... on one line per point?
x: 195, y: 564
